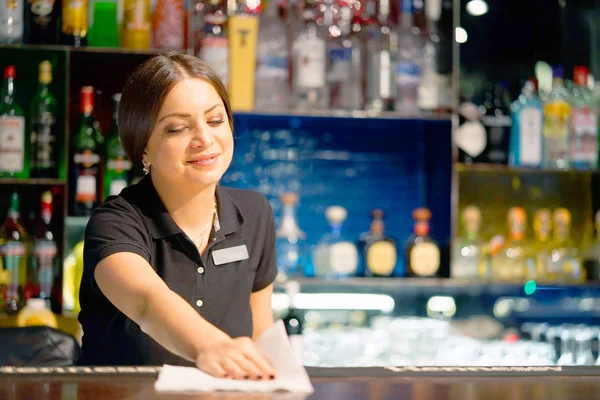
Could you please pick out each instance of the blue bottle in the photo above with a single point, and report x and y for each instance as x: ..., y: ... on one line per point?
x: 526, y: 137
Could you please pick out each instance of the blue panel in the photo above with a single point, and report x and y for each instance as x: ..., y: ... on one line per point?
x: 359, y: 164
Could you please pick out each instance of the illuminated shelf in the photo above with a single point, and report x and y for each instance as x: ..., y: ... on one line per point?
x: 496, y: 168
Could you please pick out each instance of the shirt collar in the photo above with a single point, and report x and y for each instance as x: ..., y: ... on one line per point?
x: 161, y: 224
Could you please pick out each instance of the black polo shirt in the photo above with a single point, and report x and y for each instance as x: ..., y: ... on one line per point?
x: 137, y: 221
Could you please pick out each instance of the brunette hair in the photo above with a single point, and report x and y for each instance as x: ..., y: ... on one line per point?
x: 146, y: 89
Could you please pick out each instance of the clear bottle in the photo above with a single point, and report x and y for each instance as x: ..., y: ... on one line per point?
x: 584, y: 123
x: 540, y: 255
x: 272, y: 69
x: 468, y: 260
x: 11, y: 21
x: 408, y: 67
x: 429, y: 86
x: 344, y: 53
x: 211, y: 40
x: 509, y: 263
x: 14, y: 149
x: 334, y: 256
x: 291, y: 244
x: 118, y: 165
x: 309, y: 66
x: 557, y: 114
x: 526, y: 137
x: 380, y: 252
x: 422, y: 252
x: 564, y: 264
x: 45, y: 250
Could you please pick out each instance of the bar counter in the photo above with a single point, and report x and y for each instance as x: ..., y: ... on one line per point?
x: 405, y: 383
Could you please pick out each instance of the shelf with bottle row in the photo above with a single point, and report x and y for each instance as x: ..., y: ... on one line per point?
x: 33, y: 181
x: 500, y: 168
x: 88, y: 49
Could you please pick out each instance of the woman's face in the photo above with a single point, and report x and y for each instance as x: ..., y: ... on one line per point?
x: 191, y: 145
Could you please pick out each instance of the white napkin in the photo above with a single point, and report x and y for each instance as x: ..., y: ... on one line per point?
x: 275, y: 346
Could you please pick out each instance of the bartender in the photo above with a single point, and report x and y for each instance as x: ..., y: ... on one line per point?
x: 177, y: 269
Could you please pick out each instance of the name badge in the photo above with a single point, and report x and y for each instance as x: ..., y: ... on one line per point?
x: 231, y: 254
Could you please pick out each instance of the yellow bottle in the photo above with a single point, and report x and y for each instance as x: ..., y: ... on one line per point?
x: 35, y: 313
x: 136, y: 28
x: 542, y: 224
x: 72, y: 273
x: 509, y: 263
x: 564, y: 263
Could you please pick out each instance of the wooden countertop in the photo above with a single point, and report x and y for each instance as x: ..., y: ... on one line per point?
x: 330, y: 384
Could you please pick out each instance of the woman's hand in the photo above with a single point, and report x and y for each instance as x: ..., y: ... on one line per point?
x: 235, y: 358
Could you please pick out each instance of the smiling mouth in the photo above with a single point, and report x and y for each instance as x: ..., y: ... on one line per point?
x: 204, y: 160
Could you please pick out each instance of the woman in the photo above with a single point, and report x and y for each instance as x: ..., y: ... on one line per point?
x: 178, y: 270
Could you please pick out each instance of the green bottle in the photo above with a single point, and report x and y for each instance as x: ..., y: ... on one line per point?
x: 14, y: 151
x: 118, y: 165
x: 44, y: 135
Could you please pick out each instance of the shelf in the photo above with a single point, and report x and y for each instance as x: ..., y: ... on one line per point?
x: 110, y: 50
x: 32, y: 181
x: 497, y: 168
x: 345, y: 114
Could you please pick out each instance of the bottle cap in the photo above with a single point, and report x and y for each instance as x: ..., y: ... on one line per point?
x: 580, y: 74
x: 377, y: 213
x: 421, y: 214
x: 10, y: 72
x: 87, y: 99
x: 289, y: 198
x: 116, y: 97
x: 517, y: 214
x: 45, y: 72
x: 336, y: 214
x: 562, y: 216
x: 558, y: 71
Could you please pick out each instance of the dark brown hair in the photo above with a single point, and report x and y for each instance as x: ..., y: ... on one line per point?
x: 146, y: 90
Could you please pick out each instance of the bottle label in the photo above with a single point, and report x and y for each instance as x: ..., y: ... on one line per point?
x: 465, y: 263
x: 272, y: 60
x: 584, y: 139
x: 118, y: 165
x: 471, y: 138
x: 116, y: 185
x: 86, y: 162
x: 498, y: 130
x: 407, y: 74
x: 310, y: 63
x: 340, y: 63
x: 556, y: 140
x: 75, y: 17
x: 42, y: 12
x: 530, y: 141
x: 381, y: 258
x: 215, y: 52
x: 12, y: 144
x: 86, y: 159
x: 86, y: 189
x: 42, y: 140
x: 425, y: 259
x: 343, y: 258
x: 45, y: 249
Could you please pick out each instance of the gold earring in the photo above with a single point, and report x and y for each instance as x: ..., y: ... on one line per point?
x: 145, y: 167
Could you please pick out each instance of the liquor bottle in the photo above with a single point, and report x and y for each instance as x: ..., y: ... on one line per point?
x: 591, y: 263
x: 42, y: 21
x: 509, y: 264
x: 422, y: 252
x: 381, y: 51
x: 11, y: 21
x: 584, y: 123
x: 118, y: 165
x: 211, y: 41
x: 136, y: 29
x: 168, y: 25
x: 14, y: 151
x: 14, y: 255
x: 497, y: 123
x: 44, y: 135
x: 557, y: 114
x: 564, y: 264
x: 272, y: 69
x: 468, y: 260
x: 380, y: 252
x: 45, y: 250
x: 526, y: 137
x: 344, y: 72
x: 86, y: 162
x: 74, y: 23
x: 428, y: 97
x: 334, y: 255
x: 470, y: 137
x: 293, y: 320
x: 408, y: 68
x: 309, y: 66
x: 291, y: 245
x: 540, y: 255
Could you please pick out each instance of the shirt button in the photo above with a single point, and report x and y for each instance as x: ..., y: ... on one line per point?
x: 200, y: 270
x: 199, y: 303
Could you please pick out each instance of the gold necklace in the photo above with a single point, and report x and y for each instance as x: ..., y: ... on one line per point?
x: 198, y: 240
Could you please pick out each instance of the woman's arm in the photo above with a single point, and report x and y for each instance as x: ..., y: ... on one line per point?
x: 262, y: 310
x: 172, y: 322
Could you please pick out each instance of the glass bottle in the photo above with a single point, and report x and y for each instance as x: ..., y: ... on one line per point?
x: 42, y: 21
x: 168, y: 25
x: 526, y: 137
x: 497, y: 123
x: 557, y: 114
x: 468, y: 260
x: 429, y: 91
x: 74, y: 23
x: 14, y: 151
x: 422, y: 252
x: 44, y: 127
x: 591, y: 263
x: 564, y: 264
x: 334, y: 256
x: 45, y: 250
x: 136, y: 29
x: 408, y: 67
x: 211, y: 42
x: 294, y: 326
x: 14, y: 255
x: 540, y: 256
x: 380, y: 252
x: 86, y: 161
x: 272, y: 69
x: 118, y: 165
x: 584, y: 123
x: 510, y: 262
x: 11, y: 21
x: 291, y: 245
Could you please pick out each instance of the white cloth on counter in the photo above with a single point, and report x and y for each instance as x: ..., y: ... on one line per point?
x: 274, y: 345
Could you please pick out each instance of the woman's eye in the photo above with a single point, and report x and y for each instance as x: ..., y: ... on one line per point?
x: 176, y: 129
x: 216, y: 122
